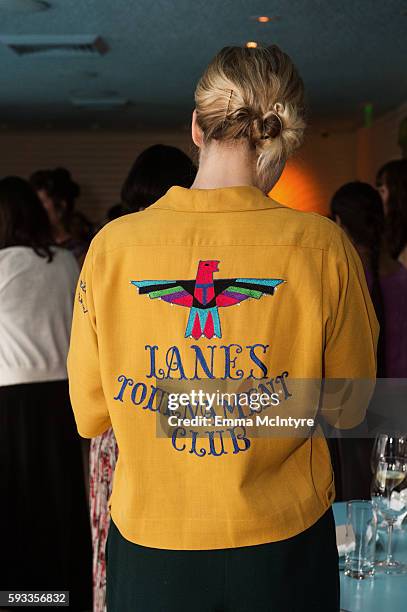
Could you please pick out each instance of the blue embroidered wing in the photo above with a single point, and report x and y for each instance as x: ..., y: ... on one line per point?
x: 232, y: 291
x: 174, y: 292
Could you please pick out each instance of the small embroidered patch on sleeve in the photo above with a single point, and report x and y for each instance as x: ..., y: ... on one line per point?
x: 82, y: 296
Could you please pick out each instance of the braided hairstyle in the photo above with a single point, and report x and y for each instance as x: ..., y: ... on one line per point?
x: 359, y: 208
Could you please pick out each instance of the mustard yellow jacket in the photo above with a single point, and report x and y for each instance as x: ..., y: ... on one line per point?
x: 228, y: 286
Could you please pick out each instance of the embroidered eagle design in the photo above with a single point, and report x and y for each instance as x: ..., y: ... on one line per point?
x: 205, y: 295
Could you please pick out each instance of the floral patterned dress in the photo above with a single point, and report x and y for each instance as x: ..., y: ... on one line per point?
x: 103, y: 457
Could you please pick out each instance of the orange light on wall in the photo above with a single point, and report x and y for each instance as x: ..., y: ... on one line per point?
x: 299, y: 188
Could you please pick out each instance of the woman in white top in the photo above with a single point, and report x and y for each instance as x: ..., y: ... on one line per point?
x: 44, y: 526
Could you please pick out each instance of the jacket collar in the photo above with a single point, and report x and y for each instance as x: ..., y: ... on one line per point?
x: 227, y: 199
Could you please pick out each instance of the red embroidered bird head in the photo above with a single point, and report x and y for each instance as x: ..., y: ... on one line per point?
x: 206, y: 268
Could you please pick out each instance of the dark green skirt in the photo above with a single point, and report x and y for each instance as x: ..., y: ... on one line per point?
x: 296, y: 575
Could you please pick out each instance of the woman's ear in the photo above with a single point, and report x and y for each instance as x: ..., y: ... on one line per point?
x: 197, y: 135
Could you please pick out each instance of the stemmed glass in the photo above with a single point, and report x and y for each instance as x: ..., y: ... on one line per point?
x: 378, y: 451
x: 389, y: 490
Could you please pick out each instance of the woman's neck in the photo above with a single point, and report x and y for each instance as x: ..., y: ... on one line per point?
x: 225, y: 165
x: 60, y: 234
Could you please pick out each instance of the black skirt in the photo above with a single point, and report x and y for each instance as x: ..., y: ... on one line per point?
x: 300, y: 574
x: 44, y: 519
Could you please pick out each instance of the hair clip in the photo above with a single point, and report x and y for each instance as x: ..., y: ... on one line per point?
x: 228, y: 106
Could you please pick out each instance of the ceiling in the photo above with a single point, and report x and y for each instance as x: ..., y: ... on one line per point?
x: 349, y: 52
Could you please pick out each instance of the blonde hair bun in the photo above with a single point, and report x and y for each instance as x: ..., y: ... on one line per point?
x: 255, y: 94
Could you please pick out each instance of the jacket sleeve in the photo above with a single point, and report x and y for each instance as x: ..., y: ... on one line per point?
x: 85, y: 383
x: 350, y: 336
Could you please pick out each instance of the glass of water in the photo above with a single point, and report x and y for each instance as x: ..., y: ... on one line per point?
x: 362, y: 521
x: 389, y: 497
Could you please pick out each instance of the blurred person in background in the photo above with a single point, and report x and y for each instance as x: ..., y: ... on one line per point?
x: 391, y: 181
x: 357, y: 208
x: 44, y: 524
x: 70, y: 229
x: 58, y: 193
x: 155, y: 170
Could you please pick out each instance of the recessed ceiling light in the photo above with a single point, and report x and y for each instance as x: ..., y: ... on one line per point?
x: 265, y: 18
x: 24, y: 6
x: 251, y: 44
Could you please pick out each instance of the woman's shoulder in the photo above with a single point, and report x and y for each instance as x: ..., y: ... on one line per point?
x: 16, y: 252
x: 118, y: 232
x: 307, y: 228
x: 16, y: 257
x: 64, y: 258
x: 275, y: 225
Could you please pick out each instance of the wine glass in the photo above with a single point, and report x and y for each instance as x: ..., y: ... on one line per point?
x: 393, y: 445
x: 389, y: 490
x: 387, y: 445
x: 378, y: 451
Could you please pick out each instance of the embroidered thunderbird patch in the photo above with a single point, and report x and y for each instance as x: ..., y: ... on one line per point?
x: 204, y: 296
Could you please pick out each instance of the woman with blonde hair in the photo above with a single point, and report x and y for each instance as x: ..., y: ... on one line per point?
x: 217, y: 518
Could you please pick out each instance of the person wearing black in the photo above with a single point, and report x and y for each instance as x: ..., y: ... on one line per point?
x: 44, y: 523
